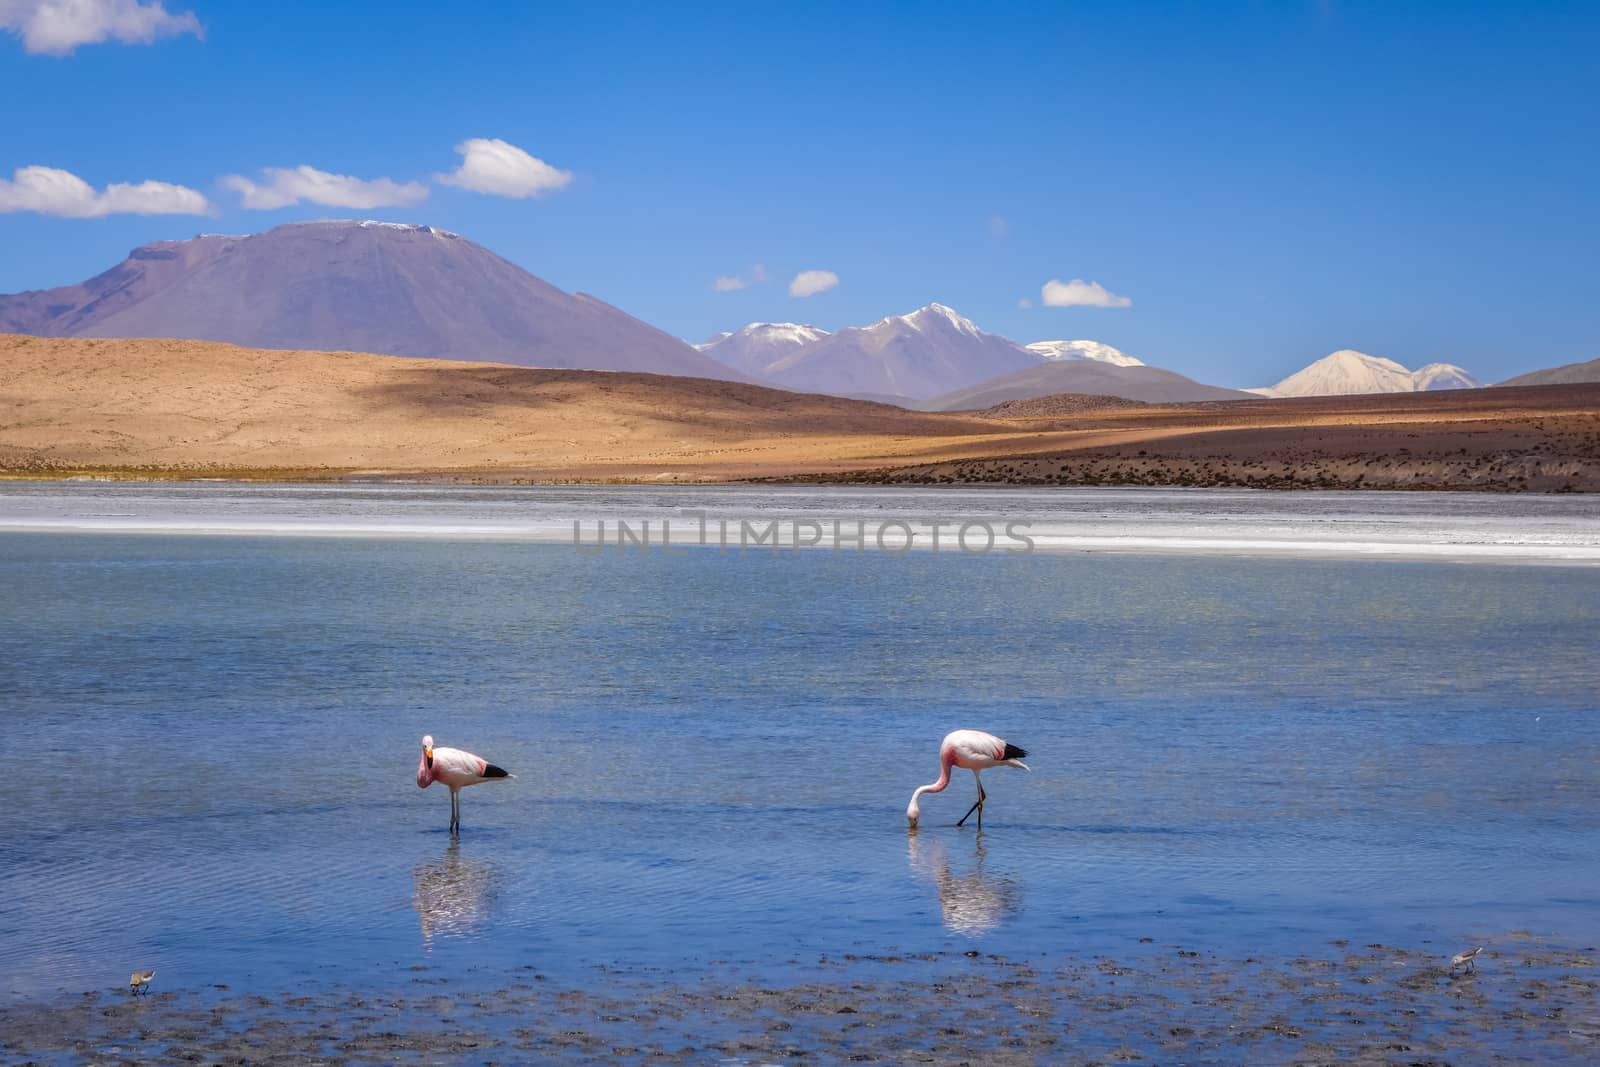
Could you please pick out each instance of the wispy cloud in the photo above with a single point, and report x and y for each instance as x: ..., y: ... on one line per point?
x: 1079, y: 293
x: 58, y: 27
x: 496, y: 167
x: 812, y: 282
x: 732, y: 283
x: 998, y: 226
x: 1024, y: 303
x: 49, y: 191
x: 283, y: 186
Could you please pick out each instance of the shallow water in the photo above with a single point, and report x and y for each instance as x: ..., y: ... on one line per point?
x: 213, y: 743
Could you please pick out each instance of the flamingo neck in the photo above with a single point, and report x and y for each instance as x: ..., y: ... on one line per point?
x: 946, y: 759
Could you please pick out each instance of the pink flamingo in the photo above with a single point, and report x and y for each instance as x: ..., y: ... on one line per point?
x: 975, y: 751
x: 456, y: 769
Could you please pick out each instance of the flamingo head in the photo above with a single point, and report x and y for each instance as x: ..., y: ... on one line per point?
x: 913, y: 813
x: 425, y: 764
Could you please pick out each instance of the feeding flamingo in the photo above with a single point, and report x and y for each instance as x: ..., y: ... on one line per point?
x: 975, y: 751
x: 456, y: 769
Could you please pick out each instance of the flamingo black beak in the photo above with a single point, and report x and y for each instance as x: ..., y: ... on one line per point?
x: 427, y: 755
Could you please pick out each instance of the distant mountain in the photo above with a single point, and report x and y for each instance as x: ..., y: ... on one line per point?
x: 1443, y: 376
x: 354, y: 286
x: 1083, y: 350
x: 928, y: 352
x: 1568, y: 374
x: 1148, y: 384
x: 1348, y: 372
x: 759, y: 344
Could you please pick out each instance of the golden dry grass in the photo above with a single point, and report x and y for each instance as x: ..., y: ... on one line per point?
x: 164, y: 408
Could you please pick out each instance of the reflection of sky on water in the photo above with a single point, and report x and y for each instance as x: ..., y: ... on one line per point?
x: 453, y: 894
x: 973, y: 901
x: 714, y: 752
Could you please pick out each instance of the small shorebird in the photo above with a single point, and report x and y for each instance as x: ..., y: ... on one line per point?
x: 1469, y: 958
x: 972, y: 750
x: 140, y: 980
x: 456, y: 769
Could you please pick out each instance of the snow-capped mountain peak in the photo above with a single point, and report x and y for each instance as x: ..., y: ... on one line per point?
x: 932, y: 316
x: 929, y: 351
x: 760, y: 344
x: 1095, y: 350
x: 1444, y: 376
x: 934, y: 313
x: 1348, y: 372
x: 772, y: 333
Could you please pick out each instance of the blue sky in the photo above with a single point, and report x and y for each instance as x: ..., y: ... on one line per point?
x: 1264, y: 182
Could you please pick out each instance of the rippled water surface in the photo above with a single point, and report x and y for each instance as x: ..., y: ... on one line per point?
x: 212, y: 742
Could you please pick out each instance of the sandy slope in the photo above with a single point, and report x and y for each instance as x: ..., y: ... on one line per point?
x: 82, y: 403
x: 202, y: 408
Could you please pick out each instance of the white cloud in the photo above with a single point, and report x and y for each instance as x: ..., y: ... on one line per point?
x: 998, y: 226
x: 812, y: 282
x: 1079, y: 293
x: 490, y: 165
x: 290, y: 185
x: 732, y: 283
x: 1024, y: 303
x: 49, y: 191
x: 57, y: 27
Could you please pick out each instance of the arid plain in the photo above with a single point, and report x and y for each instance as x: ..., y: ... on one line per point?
x: 166, y: 408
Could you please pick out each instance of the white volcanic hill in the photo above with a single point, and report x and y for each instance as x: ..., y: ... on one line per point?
x: 1101, y: 353
x: 1443, y: 376
x: 1348, y: 372
x: 357, y: 286
x: 928, y: 352
x: 760, y: 344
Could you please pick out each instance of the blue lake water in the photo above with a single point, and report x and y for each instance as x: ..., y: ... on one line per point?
x: 212, y: 744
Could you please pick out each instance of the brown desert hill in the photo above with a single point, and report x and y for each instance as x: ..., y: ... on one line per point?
x: 1148, y: 384
x: 75, y: 403
x: 1569, y: 374
x: 173, y: 408
x: 354, y: 286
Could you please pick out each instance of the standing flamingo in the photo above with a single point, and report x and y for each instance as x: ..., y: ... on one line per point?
x: 456, y: 769
x: 976, y: 751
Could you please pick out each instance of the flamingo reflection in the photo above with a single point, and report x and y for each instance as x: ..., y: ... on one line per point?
x: 973, y: 903
x: 453, y: 894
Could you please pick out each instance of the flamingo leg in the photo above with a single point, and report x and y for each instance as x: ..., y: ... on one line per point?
x: 977, y: 805
x: 455, y: 811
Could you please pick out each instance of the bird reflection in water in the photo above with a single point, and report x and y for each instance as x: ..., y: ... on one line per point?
x: 974, y: 902
x: 453, y: 895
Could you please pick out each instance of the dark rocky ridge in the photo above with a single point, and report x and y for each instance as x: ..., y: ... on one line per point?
x: 1045, y: 407
x: 1148, y: 384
